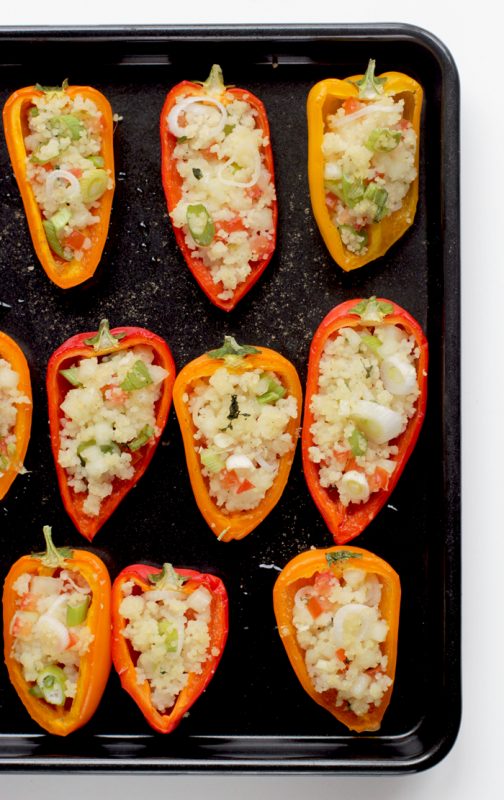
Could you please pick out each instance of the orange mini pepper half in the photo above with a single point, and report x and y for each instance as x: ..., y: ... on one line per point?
x: 12, y: 353
x: 96, y: 345
x: 94, y: 665
x: 214, y: 89
x: 146, y: 579
x: 347, y: 522
x: 236, y: 359
x: 324, y: 100
x: 64, y: 273
x: 313, y: 567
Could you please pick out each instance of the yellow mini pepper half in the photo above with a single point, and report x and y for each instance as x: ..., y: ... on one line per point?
x: 324, y: 99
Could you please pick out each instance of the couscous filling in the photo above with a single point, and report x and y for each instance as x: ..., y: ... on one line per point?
x: 226, y: 208
x: 10, y: 399
x: 50, y: 632
x: 66, y: 169
x: 108, y: 417
x: 342, y: 633
x: 168, y: 630
x: 367, y: 393
x: 369, y: 165
x: 241, y: 422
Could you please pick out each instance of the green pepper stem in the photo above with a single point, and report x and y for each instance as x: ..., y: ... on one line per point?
x: 214, y: 84
x: 104, y: 339
x: 370, y: 87
x: 342, y: 555
x: 168, y: 578
x: 53, y: 556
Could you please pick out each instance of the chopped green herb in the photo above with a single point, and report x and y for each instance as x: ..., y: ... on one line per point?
x: 228, y: 129
x: 198, y: 174
x: 181, y: 139
x: 138, y: 377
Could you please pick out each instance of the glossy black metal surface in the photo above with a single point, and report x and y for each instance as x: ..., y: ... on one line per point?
x: 254, y: 717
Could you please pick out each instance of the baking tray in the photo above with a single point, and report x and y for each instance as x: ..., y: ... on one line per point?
x: 254, y: 717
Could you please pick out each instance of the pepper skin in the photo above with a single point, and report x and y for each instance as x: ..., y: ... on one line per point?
x: 141, y: 574
x: 234, y: 525
x: 95, y: 663
x: 345, y: 523
x: 324, y: 99
x: 74, y: 349
x: 12, y: 353
x: 64, y: 274
x: 300, y: 572
x: 172, y: 181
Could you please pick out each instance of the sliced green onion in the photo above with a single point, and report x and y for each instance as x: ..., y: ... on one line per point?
x: 143, y: 437
x: 110, y: 447
x: 137, y: 378
x: 67, y: 125
x: 372, y: 342
x: 379, y: 196
x: 4, y: 462
x: 353, y: 191
x: 61, y: 218
x: 212, y: 460
x: 93, y: 185
x: 200, y: 224
x: 97, y: 161
x: 361, y: 236
x: 358, y: 442
x: 71, y: 376
x: 181, y: 139
x: 228, y: 129
x: 273, y: 393
x: 383, y: 140
x: 75, y: 615
x: 53, y: 240
x: 35, y: 691
x: 170, y: 634
x: 52, y: 682
x: 84, y: 446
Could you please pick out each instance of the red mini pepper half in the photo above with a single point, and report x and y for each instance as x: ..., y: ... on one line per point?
x: 146, y: 579
x: 97, y: 344
x: 60, y: 718
x: 347, y: 522
x: 172, y: 181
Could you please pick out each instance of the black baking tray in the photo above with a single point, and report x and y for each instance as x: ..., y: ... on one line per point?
x: 254, y: 717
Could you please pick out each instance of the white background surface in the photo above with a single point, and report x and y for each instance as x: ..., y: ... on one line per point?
x: 474, y: 766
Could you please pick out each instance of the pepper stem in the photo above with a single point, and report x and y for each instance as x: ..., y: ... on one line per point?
x: 104, y: 340
x: 369, y: 85
x: 53, y: 556
x: 214, y: 84
x: 372, y: 310
x: 231, y: 350
x: 341, y: 555
x: 168, y: 578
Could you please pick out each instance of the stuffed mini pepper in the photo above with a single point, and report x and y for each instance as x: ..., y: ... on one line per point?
x: 217, y: 167
x: 61, y: 149
x: 337, y: 612
x: 239, y: 409
x: 169, y: 631
x: 363, y: 156
x: 15, y: 411
x: 109, y: 394
x: 365, y: 405
x: 56, y: 613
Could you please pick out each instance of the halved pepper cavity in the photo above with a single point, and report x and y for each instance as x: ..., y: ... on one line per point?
x: 237, y: 359
x: 92, y: 184
x: 314, y: 568
x: 12, y: 454
x: 203, y: 229
x: 147, y: 579
x: 368, y: 241
x: 61, y: 379
x: 345, y: 522
x: 44, y: 699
